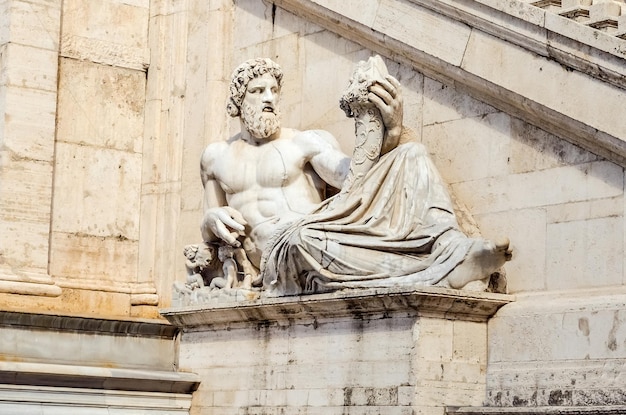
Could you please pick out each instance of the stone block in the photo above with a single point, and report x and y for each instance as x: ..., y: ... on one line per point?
x: 486, y: 139
x: 526, y: 229
x: 535, y: 80
x: 255, y: 19
x: 89, y: 261
x: 353, y: 9
x: 595, y: 180
x: 433, y: 340
x: 583, y: 254
x: 585, y: 210
x: 444, y: 103
x: 103, y: 188
x: 469, y: 342
x: 5, y: 26
x: 100, y: 105
x: 601, y: 10
x: 412, y: 94
x: 559, y: 349
x: 35, y: 23
x: 25, y: 213
x: 287, y: 23
x: 535, y: 149
x: 29, y: 122
x: 110, y: 31
x: 436, y: 35
x: 28, y: 67
x: 431, y: 393
x: 326, y: 55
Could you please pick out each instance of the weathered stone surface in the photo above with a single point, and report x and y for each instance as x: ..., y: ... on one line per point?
x: 379, y: 352
x: 112, y: 32
x: 569, y: 351
x: 428, y: 301
x: 100, y: 106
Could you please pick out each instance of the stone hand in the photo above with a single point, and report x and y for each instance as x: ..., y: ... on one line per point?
x: 387, y: 96
x: 223, y: 223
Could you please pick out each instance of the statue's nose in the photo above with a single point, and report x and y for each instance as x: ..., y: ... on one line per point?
x: 268, y: 96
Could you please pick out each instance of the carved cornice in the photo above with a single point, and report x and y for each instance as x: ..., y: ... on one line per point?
x: 433, y: 37
x: 366, y: 303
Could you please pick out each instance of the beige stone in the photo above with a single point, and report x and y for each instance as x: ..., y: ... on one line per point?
x: 35, y: 23
x: 487, y: 136
x: 101, y: 106
x: 397, y: 19
x: 25, y: 226
x: 443, y: 103
x: 527, y: 230
x: 536, y: 81
x: 97, y: 183
x: 596, y: 180
x: 592, y: 249
x: 29, y: 123
x: 112, y: 32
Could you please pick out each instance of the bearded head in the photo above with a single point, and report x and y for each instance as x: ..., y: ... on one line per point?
x: 260, y: 122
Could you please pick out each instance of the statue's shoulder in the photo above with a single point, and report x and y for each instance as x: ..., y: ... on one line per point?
x: 217, y: 148
x: 316, y: 138
x: 212, y: 152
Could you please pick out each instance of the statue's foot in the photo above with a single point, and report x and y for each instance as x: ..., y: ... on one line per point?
x: 483, y: 258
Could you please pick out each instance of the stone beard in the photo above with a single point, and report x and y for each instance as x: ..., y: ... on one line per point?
x: 260, y: 124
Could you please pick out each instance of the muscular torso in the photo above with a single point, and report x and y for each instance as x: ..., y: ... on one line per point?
x: 270, y: 183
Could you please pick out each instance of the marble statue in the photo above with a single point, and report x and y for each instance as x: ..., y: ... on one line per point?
x: 391, y: 222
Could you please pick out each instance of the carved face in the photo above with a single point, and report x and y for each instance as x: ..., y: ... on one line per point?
x: 259, y: 110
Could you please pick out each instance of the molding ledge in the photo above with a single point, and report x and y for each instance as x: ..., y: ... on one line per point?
x: 27, y: 282
x: 89, y: 377
x: 135, y: 327
x: 426, y: 302
x: 447, y: 40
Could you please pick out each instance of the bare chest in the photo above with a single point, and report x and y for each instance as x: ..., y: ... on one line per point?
x: 272, y: 165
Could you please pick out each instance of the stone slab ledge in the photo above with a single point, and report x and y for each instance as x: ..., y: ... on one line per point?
x: 428, y: 301
x: 540, y: 410
x: 101, y: 378
x: 136, y: 327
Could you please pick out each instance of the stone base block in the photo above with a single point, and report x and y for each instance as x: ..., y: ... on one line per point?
x: 387, y: 351
x: 562, y: 350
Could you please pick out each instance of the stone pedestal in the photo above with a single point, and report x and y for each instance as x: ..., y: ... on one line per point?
x: 385, y: 351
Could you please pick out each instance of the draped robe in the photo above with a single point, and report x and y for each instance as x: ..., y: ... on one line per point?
x: 386, y: 230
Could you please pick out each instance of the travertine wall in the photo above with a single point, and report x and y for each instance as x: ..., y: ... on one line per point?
x: 107, y: 106
x: 561, y: 205
x: 74, y: 84
x: 126, y: 194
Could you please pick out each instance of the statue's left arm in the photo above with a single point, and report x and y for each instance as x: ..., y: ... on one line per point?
x: 326, y: 158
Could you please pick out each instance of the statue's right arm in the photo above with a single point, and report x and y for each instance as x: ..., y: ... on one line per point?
x: 220, y: 221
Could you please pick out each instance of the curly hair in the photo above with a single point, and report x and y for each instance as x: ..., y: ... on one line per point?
x: 243, y: 74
